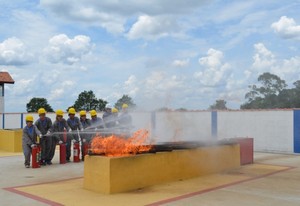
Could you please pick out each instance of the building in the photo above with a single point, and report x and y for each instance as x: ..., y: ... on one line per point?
x: 5, y: 78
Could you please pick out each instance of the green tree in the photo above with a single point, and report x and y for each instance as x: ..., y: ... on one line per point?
x: 87, y: 101
x: 125, y: 99
x: 35, y: 103
x: 220, y: 104
x: 267, y: 94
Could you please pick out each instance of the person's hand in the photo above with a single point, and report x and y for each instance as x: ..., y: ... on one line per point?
x: 83, y: 140
x: 70, y: 130
x: 60, y: 142
x: 81, y: 130
x: 33, y: 145
x: 48, y: 133
x: 40, y: 136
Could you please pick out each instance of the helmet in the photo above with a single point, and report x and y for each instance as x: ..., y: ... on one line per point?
x: 82, y: 113
x: 59, y: 112
x: 125, y: 106
x: 93, y: 112
x: 41, y: 111
x: 114, y: 110
x: 71, y: 111
x: 29, y: 118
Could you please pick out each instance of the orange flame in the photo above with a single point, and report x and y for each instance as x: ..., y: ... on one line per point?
x: 119, y: 146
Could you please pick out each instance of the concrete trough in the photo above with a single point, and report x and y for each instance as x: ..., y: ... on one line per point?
x: 108, y: 175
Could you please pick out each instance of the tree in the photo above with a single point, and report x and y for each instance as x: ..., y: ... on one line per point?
x: 220, y: 104
x: 87, y: 101
x: 35, y: 103
x: 266, y: 95
x: 125, y: 99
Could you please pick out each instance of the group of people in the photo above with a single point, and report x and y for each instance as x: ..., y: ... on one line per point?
x: 79, y: 129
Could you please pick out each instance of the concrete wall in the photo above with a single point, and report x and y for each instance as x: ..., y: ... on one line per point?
x: 272, y: 130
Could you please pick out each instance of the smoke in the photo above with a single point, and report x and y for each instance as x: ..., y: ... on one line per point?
x: 174, y: 126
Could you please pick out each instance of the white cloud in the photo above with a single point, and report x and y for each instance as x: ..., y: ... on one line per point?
x: 153, y: 27
x: 215, y: 71
x: 287, y: 28
x: 114, y: 16
x: 181, y: 63
x: 131, y: 80
x: 14, y: 52
x: 68, y: 51
x: 56, y: 93
x: 263, y: 58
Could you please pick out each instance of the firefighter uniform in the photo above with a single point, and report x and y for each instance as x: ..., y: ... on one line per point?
x: 29, y: 139
x: 96, y: 122
x: 76, y: 126
x: 57, y: 130
x: 85, y: 137
x: 44, y: 124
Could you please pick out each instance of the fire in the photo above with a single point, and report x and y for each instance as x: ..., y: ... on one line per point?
x: 120, y: 146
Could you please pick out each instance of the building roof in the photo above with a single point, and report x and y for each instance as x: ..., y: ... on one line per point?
x: 6, y: 78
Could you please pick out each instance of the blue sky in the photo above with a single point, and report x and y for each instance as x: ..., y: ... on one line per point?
x: 162, y: 53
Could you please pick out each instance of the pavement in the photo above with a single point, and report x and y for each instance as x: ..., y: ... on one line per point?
x: 273, y: 179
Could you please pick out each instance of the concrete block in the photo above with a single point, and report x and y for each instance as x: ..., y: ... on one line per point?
x: 110, y: 175
x: 11, y: 140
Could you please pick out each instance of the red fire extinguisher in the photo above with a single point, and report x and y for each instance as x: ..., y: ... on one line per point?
x: 36, y: 154
x: 62, y: 153
x: 76, y: 151
x: 85, y: 148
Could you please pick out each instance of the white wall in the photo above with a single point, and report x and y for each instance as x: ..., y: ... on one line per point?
x: 183, y: 125
x: 272, y: 130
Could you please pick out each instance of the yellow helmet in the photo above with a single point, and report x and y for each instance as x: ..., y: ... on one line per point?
x: 29, y: 118
x: 71, y: 111
x: 114, y: 110
x: 93, y: 113
x: 125, y: 106
x: 59, y: 112
x: 41, y: 111
x: 82, y: 113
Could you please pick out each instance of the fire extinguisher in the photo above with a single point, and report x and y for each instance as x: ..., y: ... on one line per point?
x: 85, y: 148
x: 36, y: 155
x: 76, y: 151
x: 62, y: 153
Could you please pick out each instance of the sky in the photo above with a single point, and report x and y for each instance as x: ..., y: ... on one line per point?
x: 162, y: 53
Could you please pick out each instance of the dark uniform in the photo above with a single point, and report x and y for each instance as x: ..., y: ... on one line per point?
x: 29, y: 138
x: 44, y: 124
x: 58, y: 129
x: 85, y: 137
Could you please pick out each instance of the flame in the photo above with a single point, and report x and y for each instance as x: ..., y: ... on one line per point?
x: 120, y: 146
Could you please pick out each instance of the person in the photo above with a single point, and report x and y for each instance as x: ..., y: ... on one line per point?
x: 107, y: 116
x: 57, y: 130
x: 76, y: 126
x: 44, y: 123
x: 30, y: 137
x: 114, y: 120
x: 85, y: 137
x: 96, y: 122
x: 125, y: 121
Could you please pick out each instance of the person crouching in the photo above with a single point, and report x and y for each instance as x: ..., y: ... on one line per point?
x: 29, y: 138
